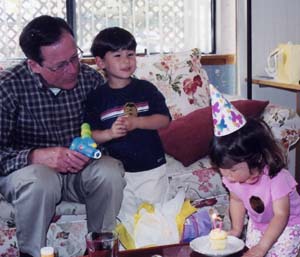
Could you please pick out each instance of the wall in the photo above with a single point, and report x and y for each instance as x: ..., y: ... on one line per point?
x: 273, y: 22
x: 224, y: 76
x: 226, y: 26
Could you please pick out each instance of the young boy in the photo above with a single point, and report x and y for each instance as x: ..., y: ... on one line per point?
x: 124, y: 115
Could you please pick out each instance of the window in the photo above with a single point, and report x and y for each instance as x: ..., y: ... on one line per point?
x: 158, y: 25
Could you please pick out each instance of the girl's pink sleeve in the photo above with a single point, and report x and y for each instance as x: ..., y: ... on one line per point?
x: 282, y: 184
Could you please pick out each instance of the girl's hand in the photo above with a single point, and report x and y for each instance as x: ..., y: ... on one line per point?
x: 256, y: 251
x: 235, y: 233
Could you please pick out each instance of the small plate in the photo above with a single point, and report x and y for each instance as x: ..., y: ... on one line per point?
x: 202, y: 245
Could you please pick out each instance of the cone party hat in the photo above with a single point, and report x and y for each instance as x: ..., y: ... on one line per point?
x: 226, y: 118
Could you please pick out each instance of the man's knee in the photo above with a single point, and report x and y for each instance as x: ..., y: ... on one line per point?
x: 39, y: 180
x: 110, y: 166
x: 108, y: 170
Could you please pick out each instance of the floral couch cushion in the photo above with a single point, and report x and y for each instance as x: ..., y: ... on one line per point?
x: 284, y: 122
x: 180, y: 77
x: 199, y: 180
x: 66, y: 232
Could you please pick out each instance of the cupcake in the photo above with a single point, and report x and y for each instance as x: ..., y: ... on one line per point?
x: 218, y: 239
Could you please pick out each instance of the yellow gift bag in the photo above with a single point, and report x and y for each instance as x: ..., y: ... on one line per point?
x: 288, y: 63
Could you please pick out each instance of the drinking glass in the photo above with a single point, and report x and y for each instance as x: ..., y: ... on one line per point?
x: 102, y: 244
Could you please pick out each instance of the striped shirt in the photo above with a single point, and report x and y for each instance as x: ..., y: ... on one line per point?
x: 32, y: 116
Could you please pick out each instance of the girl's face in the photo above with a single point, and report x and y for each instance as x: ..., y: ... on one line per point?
x: 241, y: 173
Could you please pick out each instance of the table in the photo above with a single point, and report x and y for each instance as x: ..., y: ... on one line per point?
x: 267, y: 82
x: 174, y: 250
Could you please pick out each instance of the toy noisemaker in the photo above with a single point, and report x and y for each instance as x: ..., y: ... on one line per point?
x: 85, y: 144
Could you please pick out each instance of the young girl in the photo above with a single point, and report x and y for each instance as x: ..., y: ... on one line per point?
x: 252, y: 165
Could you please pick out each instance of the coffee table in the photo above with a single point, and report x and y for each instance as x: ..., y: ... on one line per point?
x: 174, y: 250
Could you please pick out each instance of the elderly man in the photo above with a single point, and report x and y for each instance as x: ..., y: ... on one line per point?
x: 42, y: 101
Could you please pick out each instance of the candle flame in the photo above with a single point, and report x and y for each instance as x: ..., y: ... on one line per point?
x: 217, y: 221
x: 214, y: 216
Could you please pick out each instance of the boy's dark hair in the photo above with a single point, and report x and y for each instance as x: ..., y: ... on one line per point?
x: 112, y: 39
x: 42, y: 31
x: 254, y: 144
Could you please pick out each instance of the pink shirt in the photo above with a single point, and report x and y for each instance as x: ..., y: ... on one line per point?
x: 268, y: 190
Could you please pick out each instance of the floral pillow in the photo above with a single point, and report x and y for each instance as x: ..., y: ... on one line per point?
x: 180, y: 77
x: 284, y: 122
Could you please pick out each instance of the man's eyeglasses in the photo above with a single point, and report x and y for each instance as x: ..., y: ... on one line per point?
x: 63, y: 65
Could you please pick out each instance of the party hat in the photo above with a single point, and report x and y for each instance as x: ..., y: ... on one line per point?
x: 226, y: 118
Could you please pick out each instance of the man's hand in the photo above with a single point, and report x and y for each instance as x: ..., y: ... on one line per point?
x: 61, y: 159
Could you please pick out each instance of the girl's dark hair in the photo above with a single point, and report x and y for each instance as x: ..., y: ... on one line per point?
x: 112, y: 39
x: 42, y: 31
x: 254, y: 144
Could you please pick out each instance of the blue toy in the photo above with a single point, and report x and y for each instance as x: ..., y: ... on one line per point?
x: 85, y: 144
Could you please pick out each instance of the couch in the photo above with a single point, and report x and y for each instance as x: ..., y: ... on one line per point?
x: 184, y: 82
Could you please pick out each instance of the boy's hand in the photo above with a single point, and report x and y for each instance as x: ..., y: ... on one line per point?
x: 130, y: 122
x: 118, y: 129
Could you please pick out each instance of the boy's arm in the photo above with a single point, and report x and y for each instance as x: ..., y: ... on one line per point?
x: 237, y: 215
x: 102, y: 136
x: 155, y: 121
x: 117, y: 130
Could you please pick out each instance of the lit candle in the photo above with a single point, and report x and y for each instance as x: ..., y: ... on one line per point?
x: 214, y: 217
x: 220, y: 222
